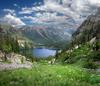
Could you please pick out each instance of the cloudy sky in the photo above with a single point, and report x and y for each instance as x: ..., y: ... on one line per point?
x: 47, y: 12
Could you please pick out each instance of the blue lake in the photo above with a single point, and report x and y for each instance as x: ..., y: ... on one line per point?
x: 43, y: 52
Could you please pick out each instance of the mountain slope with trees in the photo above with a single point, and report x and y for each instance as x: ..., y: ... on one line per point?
x: 89, y: 29
x: 85, y: 47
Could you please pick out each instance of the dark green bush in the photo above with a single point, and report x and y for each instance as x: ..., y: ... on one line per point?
x: 90, y: 65
x: 94, y: 55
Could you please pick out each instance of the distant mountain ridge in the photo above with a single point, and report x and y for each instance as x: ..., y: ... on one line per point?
x: 48, y: 36
x: 41, y: 35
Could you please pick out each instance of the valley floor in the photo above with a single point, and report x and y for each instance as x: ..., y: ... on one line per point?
x: 44, y: 74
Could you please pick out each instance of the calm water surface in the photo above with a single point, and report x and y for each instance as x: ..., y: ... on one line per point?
x: 43, y: 52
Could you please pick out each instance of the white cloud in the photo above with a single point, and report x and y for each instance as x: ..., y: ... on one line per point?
x: 15, y: 5
x: 94, y: 2
x: 50, y: 10
x: 73, y: 10
x: 45, y: 18
x: 11, y: 11
x: 26, y: 10
x: 68, y: 7
x: 15, y: 21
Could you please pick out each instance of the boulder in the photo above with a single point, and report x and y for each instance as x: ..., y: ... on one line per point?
x: 92, y: 41
x: 76, y: 47
x: 15, y: 58
x: 52, y: 61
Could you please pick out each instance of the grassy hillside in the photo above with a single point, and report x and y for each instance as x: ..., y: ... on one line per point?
x: 49, y: 75
x: 83, y: 56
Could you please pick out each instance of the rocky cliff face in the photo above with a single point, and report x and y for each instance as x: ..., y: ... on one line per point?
x: 89, y: 29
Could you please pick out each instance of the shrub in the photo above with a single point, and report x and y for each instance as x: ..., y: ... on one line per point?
x: 95, y: 55
x: 90, y: 65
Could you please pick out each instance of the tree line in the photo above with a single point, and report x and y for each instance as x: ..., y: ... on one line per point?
x: 8, y: 43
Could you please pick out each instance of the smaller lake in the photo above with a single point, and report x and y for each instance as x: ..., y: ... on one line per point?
x: 43, y: 52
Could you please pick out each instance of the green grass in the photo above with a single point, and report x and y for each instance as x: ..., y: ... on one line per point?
x: 49, y: 75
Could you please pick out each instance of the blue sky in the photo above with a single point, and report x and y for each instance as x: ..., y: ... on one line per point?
x: 21, y: 3
x: 63, y: 13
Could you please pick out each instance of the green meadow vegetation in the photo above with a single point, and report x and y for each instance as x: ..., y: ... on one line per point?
x: 44, y: 74
x: 83, y: 56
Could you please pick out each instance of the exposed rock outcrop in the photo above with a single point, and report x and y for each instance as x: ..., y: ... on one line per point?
x: 12, y: 58
x: 15, y: 58
x: 13, y: 61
